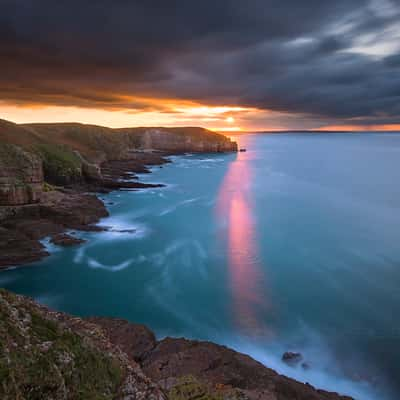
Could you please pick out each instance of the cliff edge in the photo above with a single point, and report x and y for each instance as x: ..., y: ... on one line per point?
x: 70, y: 153
x: 47, y: 354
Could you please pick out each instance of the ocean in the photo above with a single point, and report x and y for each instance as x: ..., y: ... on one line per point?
x: 292, y: 245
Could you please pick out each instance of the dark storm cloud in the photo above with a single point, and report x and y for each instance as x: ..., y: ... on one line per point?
x: 294, y: 56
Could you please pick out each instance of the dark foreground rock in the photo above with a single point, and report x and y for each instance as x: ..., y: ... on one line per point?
x: 49, y: 355
x: 46, y: 354
x: 223, y: 371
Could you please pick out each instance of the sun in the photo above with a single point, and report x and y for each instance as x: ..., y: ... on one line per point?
x: 230, y: 120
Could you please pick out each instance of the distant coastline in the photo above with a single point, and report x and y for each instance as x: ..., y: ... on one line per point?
x: 269, y: 132
x: 50, y: 175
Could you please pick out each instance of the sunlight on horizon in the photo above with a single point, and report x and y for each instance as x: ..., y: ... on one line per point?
x: 171, y: 113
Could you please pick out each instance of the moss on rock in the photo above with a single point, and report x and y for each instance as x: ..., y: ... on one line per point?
x: 60, y: 164
x: 40, y: 358
x: 189, y: 388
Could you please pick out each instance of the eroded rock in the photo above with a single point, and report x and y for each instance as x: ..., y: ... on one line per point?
x: 21, y: 176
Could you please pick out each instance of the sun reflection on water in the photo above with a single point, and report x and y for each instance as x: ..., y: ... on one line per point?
x: 238, y: 235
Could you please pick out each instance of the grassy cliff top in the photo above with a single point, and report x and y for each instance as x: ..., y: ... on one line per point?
x: 92, y: 141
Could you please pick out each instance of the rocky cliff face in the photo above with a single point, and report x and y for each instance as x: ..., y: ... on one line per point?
x: 21, y: 176
x: 185, y: 140
x: 46, y: 354
x: 98, y: 144
x: 72, y: 153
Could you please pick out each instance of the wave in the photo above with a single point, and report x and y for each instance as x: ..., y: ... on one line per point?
x: 118, y: 228
x: 50, y: 247
x: 176, y: 206
x: 324, y: 372
x: 195, y: 252
x: 113, y: 268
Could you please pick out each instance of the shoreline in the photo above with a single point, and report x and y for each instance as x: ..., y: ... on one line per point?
x: 75, y: 208
x: 49, y: 172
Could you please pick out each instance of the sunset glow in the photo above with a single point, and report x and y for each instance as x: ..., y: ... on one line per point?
x: 236, y: 69
x: 156, y: 113
x: 167, y: 112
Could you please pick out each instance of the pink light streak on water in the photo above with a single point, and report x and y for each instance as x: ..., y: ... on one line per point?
x: 234, y: 212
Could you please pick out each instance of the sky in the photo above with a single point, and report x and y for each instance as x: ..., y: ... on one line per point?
x: 229, y: 65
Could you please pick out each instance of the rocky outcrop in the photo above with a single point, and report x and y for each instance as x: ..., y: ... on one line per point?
x: 219, y: 367
x: 21, y: 176
x: 45, y: 353
x: 21, y: 233
x: 23, y: 227
x: 71, y: 154
x: 185, y: 140
x: 64, y: 239
x: 292, y: 358
x: 90, y: 171
x: 190, y: 369
x: 136, y: 340
x: 97, y: 144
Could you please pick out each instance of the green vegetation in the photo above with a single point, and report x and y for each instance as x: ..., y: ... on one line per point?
x: 60, y: 164
x: 189, y: 388
x: 40, y: 359
x: 48, y: 188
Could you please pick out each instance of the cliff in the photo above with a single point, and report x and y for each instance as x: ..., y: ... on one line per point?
x: 21, y: 176
x: 180, y: 140
x: 97, y: 143
x: 70, y: 153
x: 46, y: 354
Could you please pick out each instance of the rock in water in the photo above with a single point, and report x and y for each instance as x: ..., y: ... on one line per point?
x: 63, y: 239
x: 292, y: 358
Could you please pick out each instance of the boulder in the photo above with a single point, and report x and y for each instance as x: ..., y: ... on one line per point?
x: 134, y: 339
x: 292, y: 358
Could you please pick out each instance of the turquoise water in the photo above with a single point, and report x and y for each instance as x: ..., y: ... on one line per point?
x: 292, y: 245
